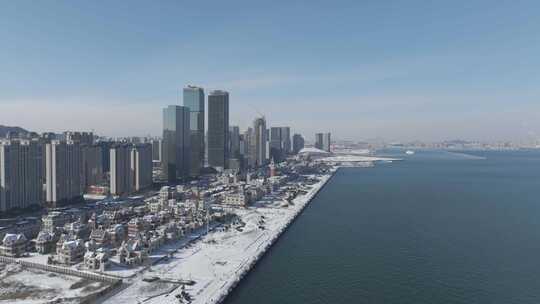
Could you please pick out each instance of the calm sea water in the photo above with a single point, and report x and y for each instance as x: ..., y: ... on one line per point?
x: 438, y: 227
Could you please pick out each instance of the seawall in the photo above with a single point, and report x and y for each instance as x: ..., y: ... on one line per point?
x: 250, y: 264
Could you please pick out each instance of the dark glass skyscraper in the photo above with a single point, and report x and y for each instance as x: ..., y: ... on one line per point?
x: 286, y: 139
x: 176, y: 143
x: 218, y: 129
x: 194, y: 100
x: 298, y: 143
x: 276, y: 143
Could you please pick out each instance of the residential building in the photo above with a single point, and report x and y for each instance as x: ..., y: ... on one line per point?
x: 92, y: 166
x: 13, y: 245
x: 141, y: 166
x: 258, y: 143
x: 63, y: 172
x: 21, y: 181
x: 121, y: 178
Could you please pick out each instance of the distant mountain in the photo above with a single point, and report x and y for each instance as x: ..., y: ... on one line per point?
x: 4, y: 130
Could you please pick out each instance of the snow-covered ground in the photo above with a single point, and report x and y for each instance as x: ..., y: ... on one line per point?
x: 217, y: 261
x: 357, y: 158
x: 25, y: 285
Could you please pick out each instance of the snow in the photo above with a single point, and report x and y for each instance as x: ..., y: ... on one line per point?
x: 357, y: 158
x: 26, y: 285
x: 219, y: 260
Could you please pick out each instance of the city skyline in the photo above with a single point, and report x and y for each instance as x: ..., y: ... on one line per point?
x: 470, y: 74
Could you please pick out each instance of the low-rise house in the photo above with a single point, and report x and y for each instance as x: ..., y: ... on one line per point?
x: 13, y: 245
x: 77, y: 230
x: 240, y: 198
x: 46, y: 242
x: 100, y: 237
x: 70, y: 252
x: 132, y: 252
x: 97, y: 260
x: 54, y: 220
x: 136, y: 226
x: 117, y: 234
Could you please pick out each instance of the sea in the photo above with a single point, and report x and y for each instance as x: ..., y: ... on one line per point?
x: 436, y: 227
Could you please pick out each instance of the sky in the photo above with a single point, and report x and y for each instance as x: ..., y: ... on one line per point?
x: 395, y: 70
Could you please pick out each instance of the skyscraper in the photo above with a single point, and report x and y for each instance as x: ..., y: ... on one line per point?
x: 298, y: 143
x: 286, y: 140
x: 194, y: 100
x: 276, y: 143
x: 248, y: 147
x: 63, y: 172
x: 20, y: 169
x: 234, y: 132
x: 92, y: 166
x: 326, y: 143
x: 156, y: 149
x: 259, y: 141
x: 319, y: 141
x: 120, y: 178
x: 218, y: 129
x: 141, y: 166
x: 176, y: 143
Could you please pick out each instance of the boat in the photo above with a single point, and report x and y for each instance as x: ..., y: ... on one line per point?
x: 409, y: 152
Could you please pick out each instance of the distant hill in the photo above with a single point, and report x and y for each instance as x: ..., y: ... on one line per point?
x: 5, y: 129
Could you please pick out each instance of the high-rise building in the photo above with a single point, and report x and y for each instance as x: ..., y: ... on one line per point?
x: 83, y: 138
x: 286, y: 140
x: 194, y: 100
x: 176, y: 143
x: 105, y: 155
x: 326, y: 143
x: 156, y: 149
x: 63, y: 172
x: 247, y: 147
x: 234, y: 135
x: 259, y: 142
x: 20, y: 169
x: 298, y: 143
x: 92, y: 166
x: 276, y: 143
x: 218, y: 129
x: 121, y: 180
x: 319, y: 141
x: 141, y: 166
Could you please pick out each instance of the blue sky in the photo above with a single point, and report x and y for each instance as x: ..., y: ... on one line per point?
x: 399, y: 70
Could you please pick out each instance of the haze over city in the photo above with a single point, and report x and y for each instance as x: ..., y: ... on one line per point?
x: 399, y: 71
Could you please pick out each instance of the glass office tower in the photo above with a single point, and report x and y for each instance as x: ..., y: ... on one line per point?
x: 218, y: 129
x: 194, y: 100
x: 176, y: 143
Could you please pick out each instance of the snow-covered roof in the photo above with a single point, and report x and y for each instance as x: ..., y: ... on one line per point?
x: 13, y: 238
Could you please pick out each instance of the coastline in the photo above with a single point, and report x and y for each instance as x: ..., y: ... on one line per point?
x: 220, y: 260
x: 306, y: 200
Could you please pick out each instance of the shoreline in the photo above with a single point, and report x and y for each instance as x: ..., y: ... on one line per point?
x: 255, y: 260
